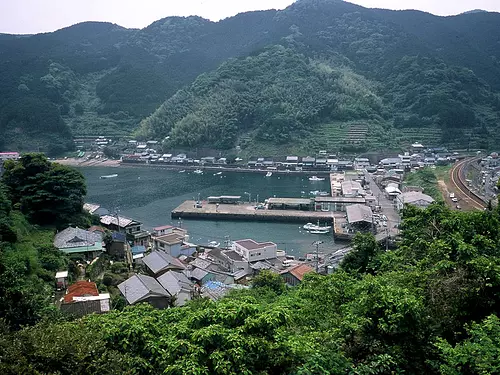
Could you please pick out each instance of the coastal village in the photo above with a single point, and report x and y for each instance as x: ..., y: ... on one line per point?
x: 121, y: 259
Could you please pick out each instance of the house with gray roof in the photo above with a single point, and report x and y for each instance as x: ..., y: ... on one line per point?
x: 178, y: 286
x: 142, y: 288
x: 79, y: 241
x: 159, y: 262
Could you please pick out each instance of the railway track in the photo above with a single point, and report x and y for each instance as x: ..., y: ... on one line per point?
x: 458, y: 180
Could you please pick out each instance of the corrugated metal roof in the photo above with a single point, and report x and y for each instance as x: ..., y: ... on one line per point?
x: 357, y: 213
x: 159, y: 260
x: 139, y: 287
x: 109, y: 219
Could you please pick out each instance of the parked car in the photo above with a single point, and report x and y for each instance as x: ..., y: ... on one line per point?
x: 458, y: 207
x: 454, y: 200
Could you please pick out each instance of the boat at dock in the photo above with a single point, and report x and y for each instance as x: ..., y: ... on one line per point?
x: 320, y: 231
x: 313, y: 227
x: 109, y: 176
x: 269, y: 174
x: 316, y: 178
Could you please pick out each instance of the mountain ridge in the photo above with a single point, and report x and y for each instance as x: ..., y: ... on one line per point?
x: 106, y: 78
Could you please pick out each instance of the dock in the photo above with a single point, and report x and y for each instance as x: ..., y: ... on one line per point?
x: 247, y: 212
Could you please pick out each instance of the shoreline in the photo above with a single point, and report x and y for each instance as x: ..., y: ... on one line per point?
x: 117, y: 163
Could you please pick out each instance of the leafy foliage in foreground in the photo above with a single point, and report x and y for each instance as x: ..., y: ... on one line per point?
x: 430, y: 306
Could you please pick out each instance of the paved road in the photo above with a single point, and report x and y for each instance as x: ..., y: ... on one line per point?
x: 387, y: 206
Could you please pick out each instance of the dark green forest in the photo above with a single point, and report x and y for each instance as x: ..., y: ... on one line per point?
x: 279, y: 76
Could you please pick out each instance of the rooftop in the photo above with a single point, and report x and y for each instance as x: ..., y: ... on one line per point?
x: 159, y: 260
x: 117, y: 220
x: 289, y: 201
x: 81, y: 289
x: 174, y: 282
x: 61, y: 274
x: 139, y: 287
x: 233, y: 255
x: 196, y: 273
x: 76, y: 237
x: 299, y: 271
x: 414, y: 196
x: 357, y: 213
x: 164, y: 227
x: 252, y: 245
x: 170, y: 239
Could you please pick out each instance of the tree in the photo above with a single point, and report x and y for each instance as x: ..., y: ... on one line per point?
x: 364, y: 249
x: 270, y: 280
x: 48, y: 193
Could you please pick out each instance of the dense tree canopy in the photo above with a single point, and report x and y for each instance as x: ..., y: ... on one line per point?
x: 48, y: 193
x: 428, y: 307
x: 99, y: 78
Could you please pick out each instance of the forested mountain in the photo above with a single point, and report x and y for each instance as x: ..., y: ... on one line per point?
x: 423, y: 71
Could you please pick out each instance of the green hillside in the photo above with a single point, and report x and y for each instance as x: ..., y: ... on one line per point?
x: 99, y: 78
x: 430, y: 306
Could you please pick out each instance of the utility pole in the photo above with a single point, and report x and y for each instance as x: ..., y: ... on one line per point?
x: 317, y: 243
x: 227, y: 241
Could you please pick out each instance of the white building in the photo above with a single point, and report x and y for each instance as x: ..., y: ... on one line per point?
x: 405, y: 160
x: 253, y: 251
x: 352, y: 189
x: 9, y: 156
x: 361, y: 163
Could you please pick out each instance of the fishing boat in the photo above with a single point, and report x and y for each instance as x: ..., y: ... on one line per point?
x: 109, y: 176
x: 316, y: 178
x: 198, y: 171
x: 320, y: 231
x: 313, y: 227
x: 182, y: 171
x: 217, y: 174
x: 269, y: 174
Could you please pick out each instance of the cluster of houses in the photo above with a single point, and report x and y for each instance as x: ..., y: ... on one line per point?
x: 420, y: 157
x: 322, y: 162
x: 170, y: 270
x: 150, y: 157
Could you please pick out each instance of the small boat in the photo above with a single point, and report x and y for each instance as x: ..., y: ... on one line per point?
x: 198, y: 171
x: 217, y: 174
x: 109, y: 176
x: 314, y: 192
x: 269, y: 174
x: 214, y: 244
x: 182, y: 171
x: 316, y: 178
x: 319, y: 231
x: 323, y: 194
x: 313, y: 227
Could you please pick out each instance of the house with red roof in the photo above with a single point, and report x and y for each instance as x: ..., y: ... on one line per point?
x: 294, y: 275
x: 83, y: 298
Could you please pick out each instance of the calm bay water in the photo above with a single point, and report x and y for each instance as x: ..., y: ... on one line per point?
x: 150, y: 194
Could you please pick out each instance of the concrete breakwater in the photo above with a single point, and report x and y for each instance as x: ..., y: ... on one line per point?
x: 247, y: 212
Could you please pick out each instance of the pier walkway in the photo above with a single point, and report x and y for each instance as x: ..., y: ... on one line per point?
x: 188, y: 210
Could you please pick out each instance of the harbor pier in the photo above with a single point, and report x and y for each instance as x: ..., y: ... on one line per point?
x: 247, y: 212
